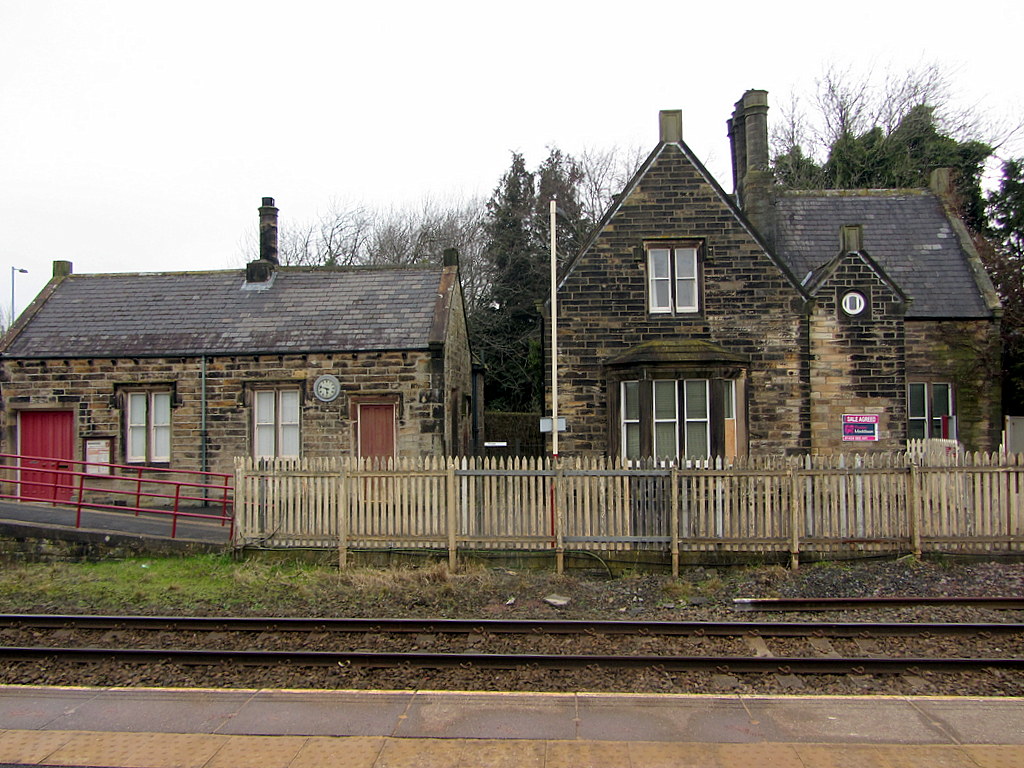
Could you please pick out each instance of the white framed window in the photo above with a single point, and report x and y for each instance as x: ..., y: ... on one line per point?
x: 672, y: 279
x: 930, y: 411
x: 630, y: 399
x: 148, y: 432
x: 276, y: 423
x: 666, y: 419
x: 672, y: 420
x: 698, y: 418
x: 853, y: 303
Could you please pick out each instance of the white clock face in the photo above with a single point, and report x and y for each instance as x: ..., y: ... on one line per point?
x: 326, y: 388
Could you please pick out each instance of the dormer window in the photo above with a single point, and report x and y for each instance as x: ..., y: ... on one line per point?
x: 673, y: 284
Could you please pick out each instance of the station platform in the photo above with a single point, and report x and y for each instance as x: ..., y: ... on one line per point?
x: 159, y: 728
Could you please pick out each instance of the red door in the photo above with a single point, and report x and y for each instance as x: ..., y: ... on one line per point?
x: 377, y: 431
x: 49, y: 436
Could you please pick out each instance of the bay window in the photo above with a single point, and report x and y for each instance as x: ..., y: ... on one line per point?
x: 667, y: 419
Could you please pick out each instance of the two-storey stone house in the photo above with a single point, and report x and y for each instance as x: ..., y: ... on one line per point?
x: 191, y: 369
x: 697, y: 323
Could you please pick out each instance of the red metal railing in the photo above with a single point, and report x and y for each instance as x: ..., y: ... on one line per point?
x: 95, y: 485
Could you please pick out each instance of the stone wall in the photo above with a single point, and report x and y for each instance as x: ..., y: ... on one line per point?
x: 857, y: 363
x: 748, y: 307
x: 458, y: 376
x: 95, y: 390
x: 965, y: 353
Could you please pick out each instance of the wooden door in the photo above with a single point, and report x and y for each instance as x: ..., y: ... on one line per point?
x: 377, y: 430
x: 48, y: 437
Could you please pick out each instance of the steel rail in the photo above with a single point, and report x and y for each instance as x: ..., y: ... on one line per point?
x: 852, y: 603
x: 498, y: 626
x: 722, y: 664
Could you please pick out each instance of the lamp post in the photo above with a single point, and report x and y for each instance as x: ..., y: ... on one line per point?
x: 554, y: 337
x: 14, y: 270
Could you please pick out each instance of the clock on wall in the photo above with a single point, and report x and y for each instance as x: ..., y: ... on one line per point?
x: 326, y: 387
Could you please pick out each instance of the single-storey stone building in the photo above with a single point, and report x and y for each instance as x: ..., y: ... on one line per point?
x: 696, y: 323
x: 191, y: 369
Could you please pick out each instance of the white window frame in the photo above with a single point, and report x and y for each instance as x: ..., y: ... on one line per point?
x: 932, y: 421
x: 271, y: 419
x: 681, y: 415
x: 626, y: 421
x: 672, y: 387
x: 689, y: 417
x: 675, y: 271
x: 147, y: 437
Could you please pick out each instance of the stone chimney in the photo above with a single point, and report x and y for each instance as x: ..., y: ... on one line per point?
x: 751, y: 176
x: 268, y: 231
x: 262, y: 270
x: 670, y: 124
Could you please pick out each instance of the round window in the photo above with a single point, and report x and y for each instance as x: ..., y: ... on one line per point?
x: 854, y: 303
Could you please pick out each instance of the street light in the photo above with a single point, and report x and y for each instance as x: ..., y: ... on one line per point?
x: 13, y: 271
x: 554, y: 335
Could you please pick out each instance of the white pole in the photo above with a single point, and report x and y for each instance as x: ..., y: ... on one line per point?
x: 13, y: 271
x: 554, y: 337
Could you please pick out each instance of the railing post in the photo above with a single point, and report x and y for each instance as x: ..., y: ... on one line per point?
x: 451, y: 507
x: 174, y: 517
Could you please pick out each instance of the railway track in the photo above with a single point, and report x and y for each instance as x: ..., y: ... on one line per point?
x: 810, y: 604
x: 116, y: 640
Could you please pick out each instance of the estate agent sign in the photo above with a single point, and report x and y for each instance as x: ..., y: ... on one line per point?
x: 860, y: 427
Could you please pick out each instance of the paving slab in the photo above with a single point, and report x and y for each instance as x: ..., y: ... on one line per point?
x: 29, y: 707
x: 165, y: 710
x: 666, y: 718
x: 324, y: 713
x: 860, y: 720
x: 490, y: 715
x: 976, y: 721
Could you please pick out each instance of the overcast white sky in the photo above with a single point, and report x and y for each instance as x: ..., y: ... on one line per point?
x: 141, y: 136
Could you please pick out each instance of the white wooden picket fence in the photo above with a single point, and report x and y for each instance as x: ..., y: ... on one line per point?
x: 841, y: 505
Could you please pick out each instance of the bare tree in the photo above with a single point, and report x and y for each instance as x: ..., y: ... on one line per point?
x: 605, y: 174
x: 339, y: 238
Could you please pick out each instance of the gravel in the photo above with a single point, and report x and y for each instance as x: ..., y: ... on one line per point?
x: 700, y: 594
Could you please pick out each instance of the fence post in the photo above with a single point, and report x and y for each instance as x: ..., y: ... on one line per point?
x: 240, y: 494
x: 913, y: 509
x: 557, y: 494
x: 342, y: 511
x: 451, y: 507
x: 674, y: 520
x: 1014, y: 479
x: 795, y: 516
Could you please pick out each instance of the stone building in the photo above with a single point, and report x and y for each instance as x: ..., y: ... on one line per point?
x: 191, y: 369
x: 698, y: 323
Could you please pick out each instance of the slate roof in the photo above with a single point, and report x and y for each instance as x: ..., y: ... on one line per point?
x: 216, y: 313
x: 905, y: 232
